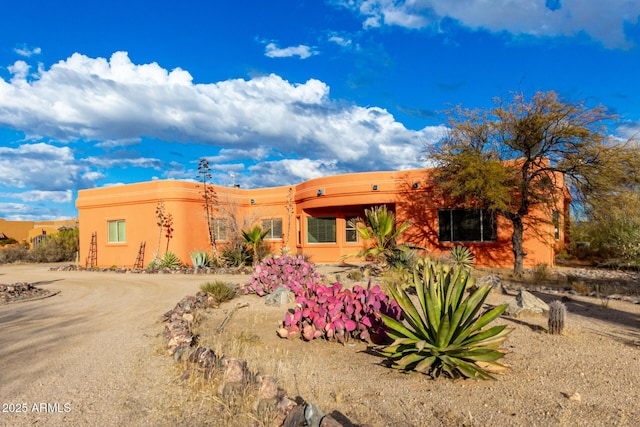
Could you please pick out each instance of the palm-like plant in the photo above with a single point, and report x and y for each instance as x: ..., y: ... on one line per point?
x: 380, y: 227
x: 253, y: 238
x: 443, y: 332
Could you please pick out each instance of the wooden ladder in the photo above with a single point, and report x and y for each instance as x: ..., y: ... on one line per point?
x: 92, y: 259
x: 139, y: 264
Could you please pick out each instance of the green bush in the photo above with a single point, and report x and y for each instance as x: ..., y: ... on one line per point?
x: 443, y: 332
x: 59, y: 247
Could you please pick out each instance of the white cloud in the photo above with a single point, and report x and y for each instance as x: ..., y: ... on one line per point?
x: 340, y: 40
x: 41, y: 166
x: 290, y: 171
x: 64, y: 196
x: 95, y: 99
x: 27, y: 51
x: 603, y: 21
x: 303, y: 51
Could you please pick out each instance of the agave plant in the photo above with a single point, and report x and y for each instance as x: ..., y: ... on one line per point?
x: 170, y: 261
x: 200, y: 259
x: 462, y: 257
x: 443, y: 332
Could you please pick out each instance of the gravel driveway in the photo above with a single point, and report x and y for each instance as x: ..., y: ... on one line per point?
x: 91, y: 354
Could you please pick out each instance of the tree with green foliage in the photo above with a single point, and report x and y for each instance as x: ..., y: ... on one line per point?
x: 253, y: 238
x: 611, y: 225
x: 62, y: 246
x: 514, y: 157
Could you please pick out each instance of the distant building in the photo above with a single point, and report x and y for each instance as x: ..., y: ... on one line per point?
x: 31, y: 231
x: 310, y: 218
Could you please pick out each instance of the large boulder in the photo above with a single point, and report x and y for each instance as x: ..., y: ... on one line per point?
x: 526, y: 304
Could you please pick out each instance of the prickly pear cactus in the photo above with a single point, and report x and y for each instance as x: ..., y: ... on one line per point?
x: 557, y: 313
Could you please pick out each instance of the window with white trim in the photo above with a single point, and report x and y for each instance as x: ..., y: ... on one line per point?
x: 321, y: 230
x: 117, y: 231
x: 274, y: 225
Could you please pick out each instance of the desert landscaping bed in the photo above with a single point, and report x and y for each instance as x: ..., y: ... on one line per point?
x: 586, y: 376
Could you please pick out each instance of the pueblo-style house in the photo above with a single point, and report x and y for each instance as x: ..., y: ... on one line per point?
x: 310, y: 218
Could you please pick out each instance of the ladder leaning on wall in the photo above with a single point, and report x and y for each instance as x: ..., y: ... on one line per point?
x: 92, y: 258
x: 139, y: 264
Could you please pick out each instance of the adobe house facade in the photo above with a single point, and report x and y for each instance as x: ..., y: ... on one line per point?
x: 310, y: 218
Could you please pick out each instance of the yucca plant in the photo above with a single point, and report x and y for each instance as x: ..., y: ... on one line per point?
x: 443, y: 332
x: 462, y: 257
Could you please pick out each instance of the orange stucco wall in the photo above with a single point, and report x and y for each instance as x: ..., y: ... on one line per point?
x: 339, y: 196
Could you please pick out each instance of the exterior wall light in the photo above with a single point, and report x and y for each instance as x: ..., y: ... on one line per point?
x: 320, y: 192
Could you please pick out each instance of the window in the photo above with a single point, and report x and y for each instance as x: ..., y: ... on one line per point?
x: 274, y: 225
x: 351, y: 231
x: 466, y: 225
x: 219, y: 228
x: 321, y: 230
x: 117, y: 231
x: 555, y: 218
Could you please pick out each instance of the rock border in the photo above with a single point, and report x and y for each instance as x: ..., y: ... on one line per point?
x: 236, y: 376
x: 23, y: 287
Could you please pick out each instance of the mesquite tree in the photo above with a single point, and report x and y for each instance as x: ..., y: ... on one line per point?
x: 515, y: 156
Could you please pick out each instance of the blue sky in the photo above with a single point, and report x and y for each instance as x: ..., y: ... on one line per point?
x: 274, y: 93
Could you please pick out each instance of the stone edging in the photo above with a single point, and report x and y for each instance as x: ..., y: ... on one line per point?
x: 236, y: 375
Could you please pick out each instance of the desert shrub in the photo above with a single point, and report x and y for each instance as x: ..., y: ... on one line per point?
x: 397, y: 276
x: 540, y: 272
x: 236, y: 256
x: 62, y: 246
x: 461, y: 257
x: 14, y: 254
x: 292, y: 272
x: 334, y: 313
x: 443, y: 331
x: 355, y: 275
x: 219, y: 290
x: 170, y: 261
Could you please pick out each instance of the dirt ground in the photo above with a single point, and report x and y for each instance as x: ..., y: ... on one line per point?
x: 92, y: 355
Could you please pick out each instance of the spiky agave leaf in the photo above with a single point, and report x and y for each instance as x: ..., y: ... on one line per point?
x: 443, y: 332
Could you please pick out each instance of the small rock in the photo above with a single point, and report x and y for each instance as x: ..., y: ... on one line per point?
x: 280, y: 296
x: 576, y: 397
